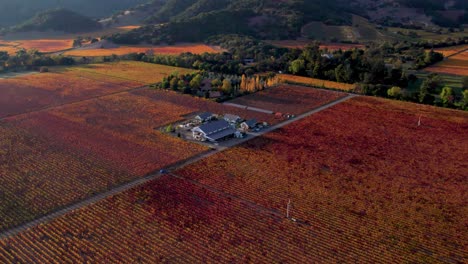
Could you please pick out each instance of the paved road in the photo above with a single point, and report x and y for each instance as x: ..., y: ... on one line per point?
x: 141, y: 181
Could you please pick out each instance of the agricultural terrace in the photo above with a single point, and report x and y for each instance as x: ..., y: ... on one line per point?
x: 117, y: 134
x: 123, y: 50
x: 457, y: 65
x: 293, y: 79
x: 144, y: 73
x: 171, y: 220
x: 363, y: 173
x: 289, y: 99
x: 300, y: 44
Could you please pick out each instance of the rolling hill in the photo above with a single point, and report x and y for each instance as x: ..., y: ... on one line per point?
x: 14, y: 12
x: 62, y: 20
x: 195, y: 20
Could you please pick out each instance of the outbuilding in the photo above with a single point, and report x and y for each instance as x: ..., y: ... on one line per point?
x: 248, y: 125
x: 232, y: 119
x: 213, y: 131
x: 204, y: 117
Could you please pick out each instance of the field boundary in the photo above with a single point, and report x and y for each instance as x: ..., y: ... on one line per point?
x: 140, y: 181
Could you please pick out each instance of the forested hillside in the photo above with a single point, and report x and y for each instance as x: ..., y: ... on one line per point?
x: 58, y: 20
x: 13, y: 12
x: 195, y: 20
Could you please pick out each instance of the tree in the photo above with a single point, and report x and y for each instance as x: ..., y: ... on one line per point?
x: 227, y: 86
x: 423, y: 91
x: 465, y: 99
x: 446, y: 96
x: 195, y: 83
x: 174, y: 83
x: 465, y: 82
x: 394, y: 92
x: 297, y: 66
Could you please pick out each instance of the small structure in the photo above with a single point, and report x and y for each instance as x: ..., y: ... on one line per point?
x: 248, y: 125
x: 328, y: 56
x: 204, y: 117
x: 232, y: 119
x: 213, y: 131
x: 215, y: 94
x: 249, y: 61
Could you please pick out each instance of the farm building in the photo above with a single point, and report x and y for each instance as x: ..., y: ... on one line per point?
x: 232, y: 119
x: 249, y: 124
x: 213, y: 131
x: 203, y: 117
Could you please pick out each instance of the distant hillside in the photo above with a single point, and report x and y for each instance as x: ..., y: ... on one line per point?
x: 195, y: 20
x: 13, y: 12
x: 58, y: 20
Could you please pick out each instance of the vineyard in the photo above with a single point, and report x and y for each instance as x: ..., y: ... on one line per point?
x: 204, y: 105
x: 293, y: 79
x: 66, y: 85
x: 42, y: 45
x: 457, y: 65
x: 32, y: 92
x: 363, y: 170
x: 144, y: 73
x: 166, y: 50
x: 170, y: 220
x: 49, y: 153
x: 115, y: 135
x: 288, y: 99
x: 448, y: 51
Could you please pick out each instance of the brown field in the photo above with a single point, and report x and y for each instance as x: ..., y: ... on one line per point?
x: 294, y: 79
x: 363, y: 173
x: 300, y: 44
x: 165, y: 50
x: 457, y: 65
x: 288, y: 99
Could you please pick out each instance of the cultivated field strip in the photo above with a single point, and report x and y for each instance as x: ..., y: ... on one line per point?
x: 170, y: 219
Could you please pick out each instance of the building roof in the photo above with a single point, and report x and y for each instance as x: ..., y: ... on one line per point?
x: 222, y: 134
x: 251, y: 122
x: 214, y: 127
x: 205, y: 115
x: 231, y: 118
